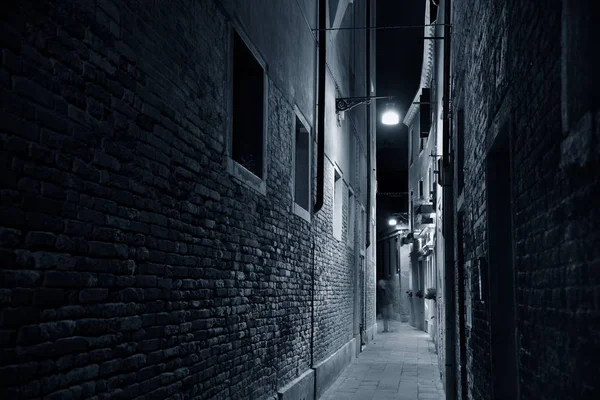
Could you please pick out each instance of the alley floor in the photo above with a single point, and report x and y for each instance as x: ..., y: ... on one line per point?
x: 399, y: 365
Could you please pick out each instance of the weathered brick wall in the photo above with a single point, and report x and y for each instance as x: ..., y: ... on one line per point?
x: 522, y: 65
x: 334, y: 274
x: 132, y: 263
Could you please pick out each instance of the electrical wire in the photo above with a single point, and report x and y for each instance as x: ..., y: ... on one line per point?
x: 380, y: 27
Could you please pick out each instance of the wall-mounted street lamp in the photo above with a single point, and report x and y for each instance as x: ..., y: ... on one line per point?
x: 398, y: 220
x: 389, y: 117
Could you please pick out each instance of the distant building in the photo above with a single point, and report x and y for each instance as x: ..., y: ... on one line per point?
x: 393, y: 264
x: 511, y: 138
x: 170, y: 225
x: 425, y: 207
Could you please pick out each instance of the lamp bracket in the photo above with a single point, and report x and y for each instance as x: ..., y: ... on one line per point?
x: 346, y: 103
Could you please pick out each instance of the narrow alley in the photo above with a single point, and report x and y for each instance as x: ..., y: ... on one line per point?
x: 397, y: 365
x: 219, y: 200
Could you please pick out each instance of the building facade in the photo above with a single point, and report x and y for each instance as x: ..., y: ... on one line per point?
x: 516, y: 139
x: 425, y: 209
x: 523, y: 156
x: 526, y: 127
x: 181, y: 214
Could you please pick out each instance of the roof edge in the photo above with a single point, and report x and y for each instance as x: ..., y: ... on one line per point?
x: 426, y: 68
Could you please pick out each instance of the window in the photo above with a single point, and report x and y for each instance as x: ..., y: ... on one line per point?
x: 423, y: 143
x: 425, y: 112
x: 362, y: 230
x: 469, y: 290
x: 430, y: 183
x: 421, y: 189
x: 410, y: 146
x: 338, y: 204
x: 460, y: 150
x: 351, y: 221
x: 302, y: 166
x: 433, y: 10
x: 248, y: 108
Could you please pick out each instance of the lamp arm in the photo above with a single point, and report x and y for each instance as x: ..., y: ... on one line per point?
x: 347, y: 103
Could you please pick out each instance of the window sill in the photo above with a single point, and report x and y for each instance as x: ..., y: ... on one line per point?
x: 246, y: 177
x: 301, y: 212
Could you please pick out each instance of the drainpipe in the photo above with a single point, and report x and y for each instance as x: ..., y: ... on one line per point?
x: 365, y: 260
x: 448, y: 219
x: 321, y: 104
x: 312, y: 308
x: 369, y: 124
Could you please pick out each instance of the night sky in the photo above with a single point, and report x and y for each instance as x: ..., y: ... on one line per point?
x: 399, y: 60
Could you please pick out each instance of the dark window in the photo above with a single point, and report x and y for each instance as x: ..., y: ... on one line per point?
x: 302, y: 165
x: 421, y: 188
x: 350, y: 219
x: 433, y: 10
x: 425, y: 112
x: 460, y: 150
x: 248, y: 108
x: 411, y: 139
x: 338, y: 204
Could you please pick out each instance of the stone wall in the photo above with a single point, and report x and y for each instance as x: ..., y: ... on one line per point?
x: 133, y: 263
x: 526, y: 67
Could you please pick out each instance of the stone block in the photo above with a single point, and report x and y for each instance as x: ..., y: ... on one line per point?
x: 301, y: 388
x: 327, y: 371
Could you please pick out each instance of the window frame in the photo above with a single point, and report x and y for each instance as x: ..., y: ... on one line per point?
x: 234, y: 168
x: 338, y: 221
x: 297, y: 208
x: 411, y: 145
x: 351, y: 219
x: 460, y: 151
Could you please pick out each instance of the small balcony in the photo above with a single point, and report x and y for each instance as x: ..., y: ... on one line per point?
x: 424, y: 215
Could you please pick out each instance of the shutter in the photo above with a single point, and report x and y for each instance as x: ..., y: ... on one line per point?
x: 433, y: 10
x: 425, y: 112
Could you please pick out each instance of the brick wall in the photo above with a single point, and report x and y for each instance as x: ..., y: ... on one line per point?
x: 132, y: 263
x: 522, y: 67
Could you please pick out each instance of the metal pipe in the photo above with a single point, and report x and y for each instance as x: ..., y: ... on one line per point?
x: 365, y: 259
x: 448, y: 220
x: 369, y: 133
x: 322, y: 68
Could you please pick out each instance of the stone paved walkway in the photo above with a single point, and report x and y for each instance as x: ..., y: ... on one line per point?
x: 400, y: 365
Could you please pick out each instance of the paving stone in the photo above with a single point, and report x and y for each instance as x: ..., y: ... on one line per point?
x: 386, y: 371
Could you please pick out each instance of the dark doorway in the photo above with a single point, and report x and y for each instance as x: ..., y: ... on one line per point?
x: 462, y: 305
x: 501, y: 269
